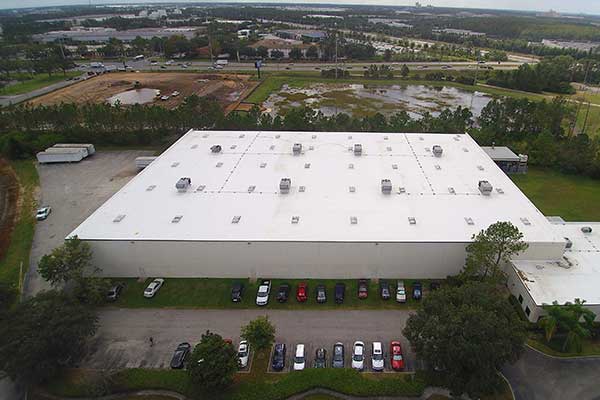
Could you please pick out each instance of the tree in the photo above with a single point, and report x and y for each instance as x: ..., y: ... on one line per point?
x: 465, y: 335
x: 404, y: 71
x: 262, y: 51
x: 8, y: 295
x: 572, y: 318
x: 387, y: 55
x: 312, y: 52
x: 213, y: 362
x: 296, y: 53
x: 66, y: 263
x: 277, y: 54
x: 43, y: 334
x: 260, y: 333
x: 490, y: 249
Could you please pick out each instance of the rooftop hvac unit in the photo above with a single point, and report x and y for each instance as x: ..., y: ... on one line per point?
x: 523, y: 158
x: 216, y: 148
x: 485, y: 188
x: 183, y: 184
x: 297, y: 148
x: 437, y: 150
x: 285, y: 185
x: 569, y: 243
x: 386, y: 186
x: 586, y: 229
x: 358, y: 149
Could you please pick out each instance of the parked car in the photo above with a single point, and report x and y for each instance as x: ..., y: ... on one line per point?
x: 340, y: 291
x: 321, y: 358
x: 243, y: 353
x: 396, y: 357
x: 435, y: 285
x: 299, y: 359
x: 417, y: 290
x: 164, y: 97
x: 400, y: 292
x: 181, y: 353
x: 278, y: 361
x: 363, y: 289
x: 115, y: 291
x: 153, y: 288
x: 175, y: 94
x: 302, y: 292
x: 384, y: 290
x: 236, y: 292
x: 358, y: 355
x: 338, y: 355
x: 283, y: 293
x: 321, y: 294
x: 262, y: 295
x: 377, y: 361
x: 43, y: 213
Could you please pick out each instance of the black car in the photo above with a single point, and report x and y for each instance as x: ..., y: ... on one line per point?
x: 114, y: 292
x: 321, y: 358
x: 283, y: 293
x: 321, y: 294
x: 181, y: 352
x: 417, y: 290
x: 384, y: 290
x: 278, y: 361
x: 338, y: 356
x: 340, y: 291
x: 434, y: 285
x: 236, y: 292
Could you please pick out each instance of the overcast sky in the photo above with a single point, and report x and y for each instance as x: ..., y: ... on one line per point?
x: 571, y: 6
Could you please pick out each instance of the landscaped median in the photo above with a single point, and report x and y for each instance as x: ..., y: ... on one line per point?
x: 216, y: 293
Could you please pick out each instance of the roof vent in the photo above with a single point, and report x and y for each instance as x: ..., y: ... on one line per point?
x: 295, y: 219
x: 251, y: 188
x: 119, y: 218
x: 353, y: 220
x: 284, y: 185
x: 176, y: 219
x: 469, y: 221
x: 205, y: 135
x: 389, y: 148
x: 500, y: 190
x: 272, y: 147
x: 386, y: 186
x: 314, y: 136
x: 263, y: 164
x: 233, y: 146
x: 242, y: 136
x: 568, y: 243
x: 195, y: 146
x: 277, y: 136
x: 386, y: 137
x: 201, y: 188
x: 219, y: 164
x: 297, y: 148
x: 485, y: 188
x: 394, y: 166
x: 183, y: 184
x: 451, y: 190
x: 480, y: 167
x: 216, y: 148
x: 350, y: 166
x: 437, y: 150
x: 401, y: 189
x: 412, y: 220
x: 352, y: 189
x: 236, y: 219
x: 586, y: 229
x: 150, y: 188
x: 307, y: 165
x: 525, y: 221
x: 176, y: 163
x: 438, y: 167
x: 358, y: 149
x: 302, y: 189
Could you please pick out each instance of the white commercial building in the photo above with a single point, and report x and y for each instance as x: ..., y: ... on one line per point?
x: 359, y: 205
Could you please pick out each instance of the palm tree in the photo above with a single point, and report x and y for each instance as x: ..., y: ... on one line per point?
x: 572, y: 318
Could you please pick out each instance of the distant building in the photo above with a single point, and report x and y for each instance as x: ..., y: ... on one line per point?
x: 244, y: 33
x: 104, y: 34
x: 459, y: 32
x: 283, y: 45
x: 302, y: 34
x: 581, y: 46
x: 508, y: 161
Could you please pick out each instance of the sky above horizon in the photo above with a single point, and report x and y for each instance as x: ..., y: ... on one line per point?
x: 573, y: 6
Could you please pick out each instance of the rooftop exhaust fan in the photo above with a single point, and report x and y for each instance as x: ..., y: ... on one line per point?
x: 297, y: 148
x: 358, y: 149
x: 216, y: 148
x: 568, y: 243
x: 586, y: 229
x: 386, y: 186
x: 183, y: 184
x: 437, y: 150
x: 284, y: 185
x: 485, y: 188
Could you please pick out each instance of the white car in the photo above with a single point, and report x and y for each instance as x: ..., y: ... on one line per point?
x: 400, y: 292
x: 358, y: 355
x: 164, y: 98
x: 243, y: 352
x: 153, y: 288
x: 377, y: 357
x: 262, y: 296
x: 299, y: 359
x: 175, y: 94
x: 43, y: 213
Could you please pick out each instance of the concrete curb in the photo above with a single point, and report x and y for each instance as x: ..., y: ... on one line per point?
x: 591, y: 357
x: 164, y: 393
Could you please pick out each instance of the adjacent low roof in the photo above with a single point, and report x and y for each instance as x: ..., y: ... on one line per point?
x: 500, y: 153
x: 335, y: 195
x: 576, y: 275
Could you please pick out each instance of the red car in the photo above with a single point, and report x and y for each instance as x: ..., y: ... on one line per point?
x: 302, y: 292
x: 363, y: 289
x: 397, y: 359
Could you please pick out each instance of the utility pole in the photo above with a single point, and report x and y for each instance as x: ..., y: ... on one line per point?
x: 336, y: 52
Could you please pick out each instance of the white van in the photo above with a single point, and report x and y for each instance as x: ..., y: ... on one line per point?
x: 299, y: 359
x: 400, y: 292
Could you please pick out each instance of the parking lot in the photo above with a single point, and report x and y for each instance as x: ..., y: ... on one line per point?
x: 122, y: 339
x: 74, y: 191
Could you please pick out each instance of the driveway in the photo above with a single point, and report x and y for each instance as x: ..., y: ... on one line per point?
x: 75, y: 191
x: 123, y: 337
x: 539, y: 377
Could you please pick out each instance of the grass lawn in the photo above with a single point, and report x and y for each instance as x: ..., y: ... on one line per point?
x: 554, y: 348
x: 22, y: 236
x: 572, y: 197
x: 36, y: 82
x: 216, y: 293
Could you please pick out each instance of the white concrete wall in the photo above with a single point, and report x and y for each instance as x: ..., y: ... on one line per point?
x: 278, y: 259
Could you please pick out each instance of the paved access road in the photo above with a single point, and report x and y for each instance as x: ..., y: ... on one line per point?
x: 18, y: 98
x: 123, y: 337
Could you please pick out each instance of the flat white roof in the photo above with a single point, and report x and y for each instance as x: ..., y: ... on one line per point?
x: 330, y: 189
x: 576, y: 275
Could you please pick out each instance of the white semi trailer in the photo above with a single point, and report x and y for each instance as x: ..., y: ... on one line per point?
x: 88, y: 146
x: 65, y: 156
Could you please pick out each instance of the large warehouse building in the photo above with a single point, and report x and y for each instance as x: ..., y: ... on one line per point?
x: 303, y: 204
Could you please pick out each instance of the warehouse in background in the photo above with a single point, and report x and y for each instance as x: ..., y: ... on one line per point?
x: 508, y: 161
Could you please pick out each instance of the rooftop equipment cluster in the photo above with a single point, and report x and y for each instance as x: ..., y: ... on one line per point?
x: 183, y: 184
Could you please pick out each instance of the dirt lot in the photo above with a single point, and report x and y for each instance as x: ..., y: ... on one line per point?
x: 228, y: 89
